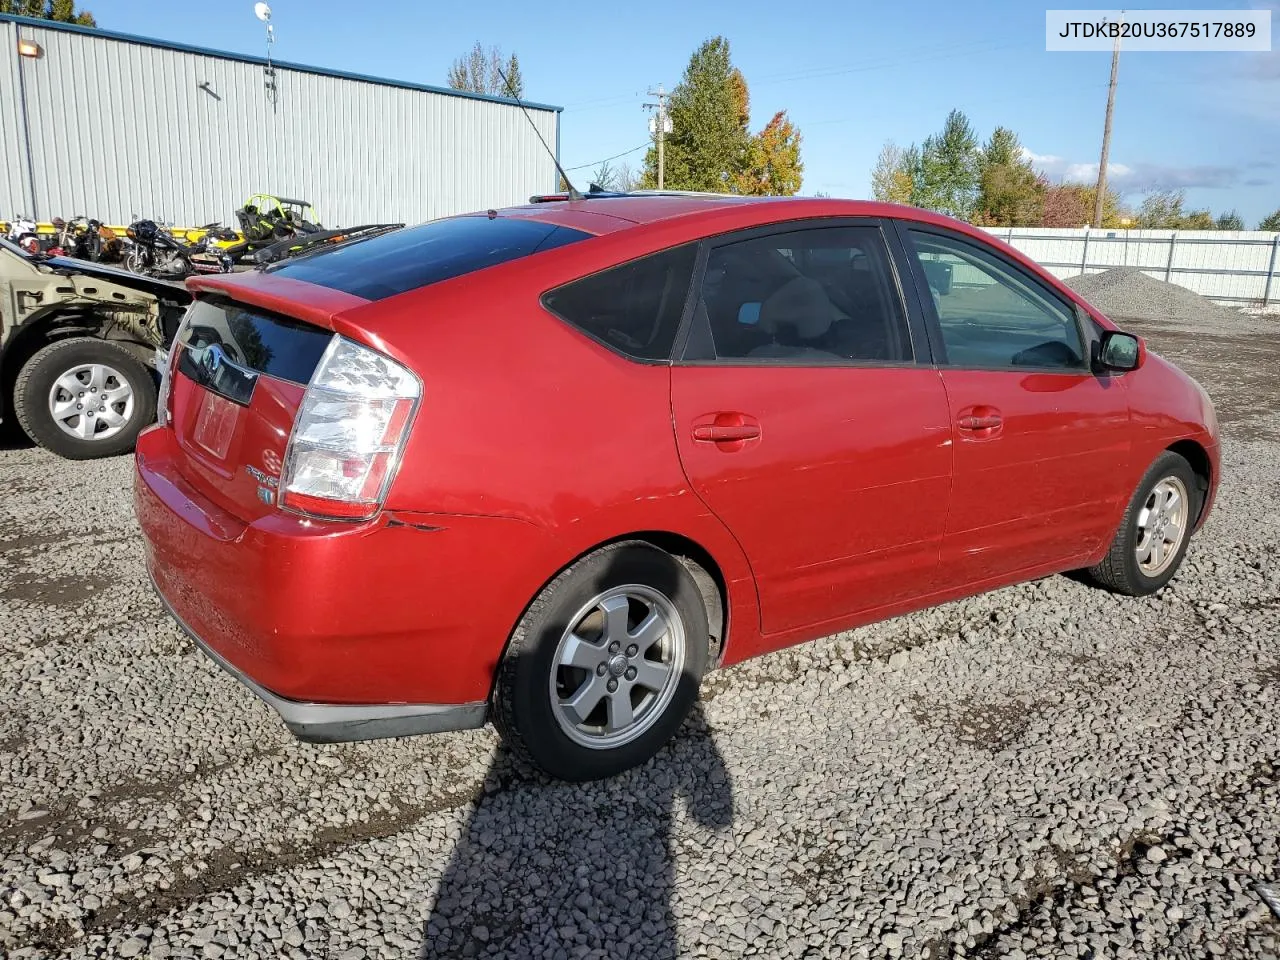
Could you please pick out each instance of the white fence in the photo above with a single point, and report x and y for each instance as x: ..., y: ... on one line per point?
x: 1239, y: 268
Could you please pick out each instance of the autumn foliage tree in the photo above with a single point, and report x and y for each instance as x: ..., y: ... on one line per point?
x: 891, y: 180
x: 773, y: 165
x: 1066, y: 205
x: 1071, y: 205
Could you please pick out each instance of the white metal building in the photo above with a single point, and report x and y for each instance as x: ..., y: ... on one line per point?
x: 113, y: 126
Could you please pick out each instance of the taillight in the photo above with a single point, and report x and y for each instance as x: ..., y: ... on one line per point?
x: 349, y: 433
x: 164, y: 398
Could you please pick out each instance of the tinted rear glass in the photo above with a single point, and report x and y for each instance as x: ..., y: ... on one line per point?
x: 268, y: 343
x: 417, y: 256
x: 634, y: 308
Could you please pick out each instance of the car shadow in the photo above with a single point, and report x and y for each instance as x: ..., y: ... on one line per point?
x: 554, y: 869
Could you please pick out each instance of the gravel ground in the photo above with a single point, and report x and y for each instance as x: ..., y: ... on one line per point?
x: 1044, y: 771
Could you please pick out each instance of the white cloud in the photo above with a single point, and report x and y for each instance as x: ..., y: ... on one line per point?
x: 1140, y: 177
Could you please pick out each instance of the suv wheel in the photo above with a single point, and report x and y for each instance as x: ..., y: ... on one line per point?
x: 1153, y: 536
x: 604, y: 665
x: 84, y: 398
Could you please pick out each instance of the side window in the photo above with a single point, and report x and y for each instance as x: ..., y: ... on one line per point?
x: 991, y: 315
x: 823, y: 294
x: 634, y: 308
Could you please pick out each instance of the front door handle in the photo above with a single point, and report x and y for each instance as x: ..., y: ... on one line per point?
x: 725, y: 433
x: 728, y: 430
x: 980, y: 423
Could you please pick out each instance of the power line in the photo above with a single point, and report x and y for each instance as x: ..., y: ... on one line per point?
x: 596, y: 163
x: 889, y: 61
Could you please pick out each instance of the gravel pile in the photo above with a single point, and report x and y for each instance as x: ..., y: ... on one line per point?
x: 1046, y: 771
x: 1129, y: 294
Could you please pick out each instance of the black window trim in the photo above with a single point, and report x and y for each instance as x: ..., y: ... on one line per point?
x: 938, y: 345
x: 699, y: 258
x: 912, y: 329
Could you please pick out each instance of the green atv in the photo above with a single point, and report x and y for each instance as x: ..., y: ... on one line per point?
x: 78, y: 348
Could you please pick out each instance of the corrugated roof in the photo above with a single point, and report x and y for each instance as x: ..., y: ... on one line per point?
x: 262, y: 62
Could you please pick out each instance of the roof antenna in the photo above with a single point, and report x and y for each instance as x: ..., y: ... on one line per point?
x: 574, y: 194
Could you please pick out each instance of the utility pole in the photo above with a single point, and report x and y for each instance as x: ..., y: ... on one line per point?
x: 661, y: 125
x: 1106, y: 137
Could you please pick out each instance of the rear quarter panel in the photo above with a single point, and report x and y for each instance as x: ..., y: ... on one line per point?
x: 522, y: 417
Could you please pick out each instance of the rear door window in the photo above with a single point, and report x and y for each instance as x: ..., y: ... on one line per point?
x: 633, y: 309
x: 394, y: 263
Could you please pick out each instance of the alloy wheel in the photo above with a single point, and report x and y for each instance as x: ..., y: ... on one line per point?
x: 1162, y: 524
x: 617, y: 666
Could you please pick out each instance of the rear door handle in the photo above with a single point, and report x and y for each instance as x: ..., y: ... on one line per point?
x: 725, y: 433
x: 988, y: 422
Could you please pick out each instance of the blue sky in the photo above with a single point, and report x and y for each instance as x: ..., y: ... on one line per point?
x: 851, y: 74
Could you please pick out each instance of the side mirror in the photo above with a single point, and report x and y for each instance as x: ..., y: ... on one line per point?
x: 1119, y: 351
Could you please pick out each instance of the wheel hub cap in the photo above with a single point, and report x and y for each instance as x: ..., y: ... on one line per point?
x: 91, y: 401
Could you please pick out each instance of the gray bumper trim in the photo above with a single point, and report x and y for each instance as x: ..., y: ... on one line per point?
x: 342, y: 722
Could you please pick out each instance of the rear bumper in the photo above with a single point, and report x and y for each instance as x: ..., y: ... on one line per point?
x: 348, y: 631
x: 344, y: 722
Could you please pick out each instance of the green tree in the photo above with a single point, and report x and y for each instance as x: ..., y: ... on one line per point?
x: 773, y: 166
x: 480, y: 71
x: 1010, y: 192
x: 708, y: 144
x: 1270, y: 222
x: 891, y: 177
x: 1002, y: 149
x: 948, y: 172
x: 1162, y: 210
x: 63, y: 11
x: 1231, y: 220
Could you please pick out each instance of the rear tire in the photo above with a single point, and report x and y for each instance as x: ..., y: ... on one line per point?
x: 1156, y: 529
x: 83, y: 398
x: 605, y: 664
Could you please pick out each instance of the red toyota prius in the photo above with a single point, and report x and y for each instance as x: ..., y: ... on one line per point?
x: 546, y: 465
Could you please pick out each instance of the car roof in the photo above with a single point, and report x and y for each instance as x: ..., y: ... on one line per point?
x: 609, y: 213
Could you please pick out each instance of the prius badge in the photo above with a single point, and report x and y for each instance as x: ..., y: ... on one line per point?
x: 267, y: 484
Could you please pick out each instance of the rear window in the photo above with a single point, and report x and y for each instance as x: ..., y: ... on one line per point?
x: 634, y: 308
x: 394, y: 263
x: 257, y: 340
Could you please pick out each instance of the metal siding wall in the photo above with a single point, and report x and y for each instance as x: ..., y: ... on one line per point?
x: 1228, y: 266
x: 13, y: 169
x: 123, y: 129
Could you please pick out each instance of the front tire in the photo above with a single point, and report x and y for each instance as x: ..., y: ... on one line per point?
x: 83, y: 398
x: 1153, y: 536
x: 605, y: 664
